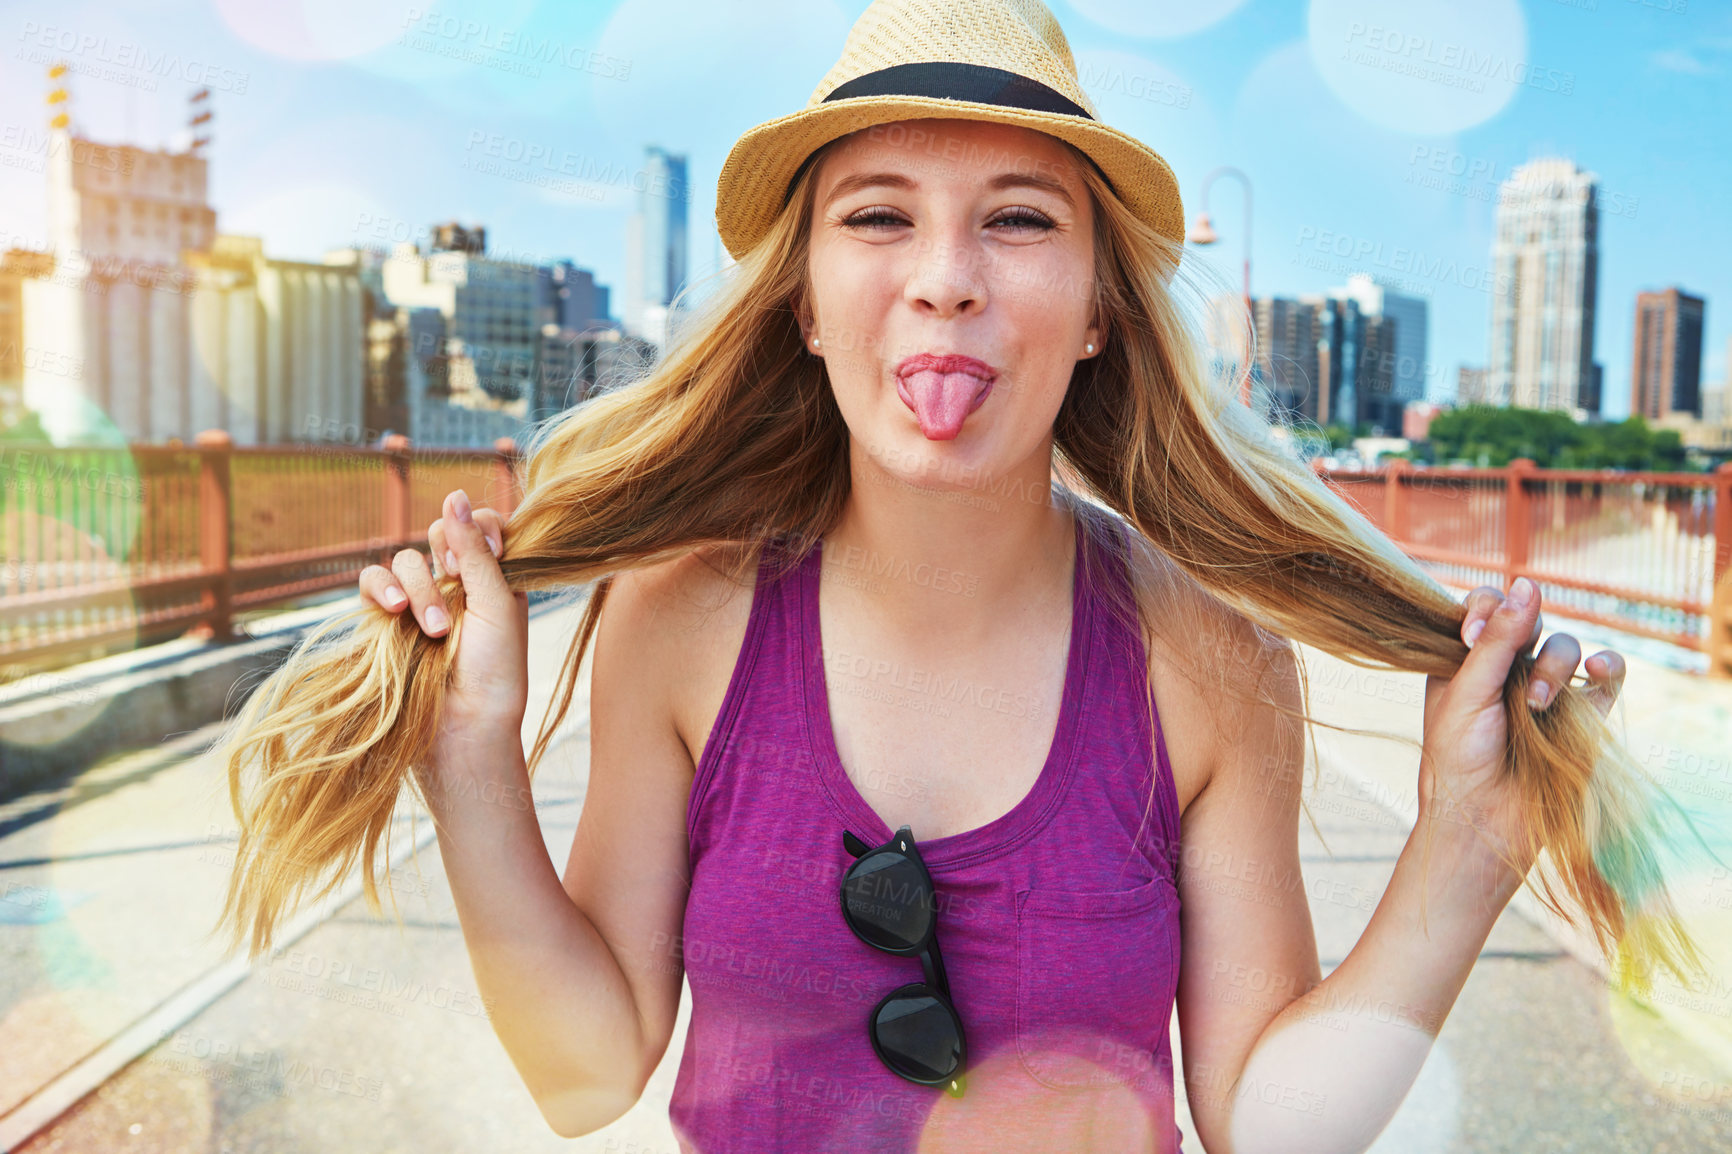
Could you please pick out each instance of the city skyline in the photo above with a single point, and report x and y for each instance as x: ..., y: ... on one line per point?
x: 534, y: 121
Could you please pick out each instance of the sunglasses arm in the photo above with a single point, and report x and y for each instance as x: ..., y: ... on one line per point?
x: 932, y: 963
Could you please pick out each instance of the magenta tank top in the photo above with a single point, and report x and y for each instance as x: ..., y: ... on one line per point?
x: 1059, y: 920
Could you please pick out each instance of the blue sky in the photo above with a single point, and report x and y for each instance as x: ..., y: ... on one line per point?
x: 1375, y: 133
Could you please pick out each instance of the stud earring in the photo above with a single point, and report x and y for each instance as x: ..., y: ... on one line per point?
x: 1090, y: 347
x: 815, y: 342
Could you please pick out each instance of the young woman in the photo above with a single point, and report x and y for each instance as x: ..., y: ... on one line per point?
x: 898, y: 546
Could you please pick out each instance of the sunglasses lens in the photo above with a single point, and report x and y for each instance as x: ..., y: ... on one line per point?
x: 918, y: 1035
x: 888, y: 901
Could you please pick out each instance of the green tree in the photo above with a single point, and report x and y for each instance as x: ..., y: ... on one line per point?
x: 1495, y: 436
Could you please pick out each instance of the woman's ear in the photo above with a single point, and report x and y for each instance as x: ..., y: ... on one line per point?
x: 1094, y: 339
x: 803, y: 318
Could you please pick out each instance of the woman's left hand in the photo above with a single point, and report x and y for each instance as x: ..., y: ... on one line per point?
x: 1465, y: 733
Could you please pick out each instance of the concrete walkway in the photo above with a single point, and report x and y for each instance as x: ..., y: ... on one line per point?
x: 363, y: 1034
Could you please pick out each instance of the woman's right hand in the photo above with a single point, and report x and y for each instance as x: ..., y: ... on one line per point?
x: 488, y: 693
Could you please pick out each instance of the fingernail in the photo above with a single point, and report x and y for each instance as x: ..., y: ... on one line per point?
x: 450, y: 562
x: 460, y: 506
x: 1538, y: 691
x: 493, y: 545
x: 394, y: 598
x: 1521, y: 593
x: 1473, y: 632
x: 436, y: 618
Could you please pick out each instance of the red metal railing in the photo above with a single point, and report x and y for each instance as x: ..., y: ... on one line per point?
x: 1645, y: 553
x: 105, y: 549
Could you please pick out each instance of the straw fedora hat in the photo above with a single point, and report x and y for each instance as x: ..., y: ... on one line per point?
x: 999, y: 60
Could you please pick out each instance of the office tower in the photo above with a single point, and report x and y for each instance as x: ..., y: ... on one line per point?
x: 1545, y: 269
x: 1714, y: 405
x: 575, y: 364
x: 1379, y: 405
x: 1408, y: 370
x: 491, y: 308
x: 1337, y: 359
x: 571, y: 299
x: 1666, y: 372
x: 1372, y: 354
x: 656, y: 246
x: 1286, y: 358
x: 1356, y: 363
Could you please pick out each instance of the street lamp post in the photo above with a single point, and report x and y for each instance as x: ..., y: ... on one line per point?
x: 1202, y: 232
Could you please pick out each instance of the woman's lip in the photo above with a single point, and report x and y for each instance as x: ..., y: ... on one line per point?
x: 946, y: 363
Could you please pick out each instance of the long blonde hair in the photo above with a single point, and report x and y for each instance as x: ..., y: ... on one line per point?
x: 734, y: 439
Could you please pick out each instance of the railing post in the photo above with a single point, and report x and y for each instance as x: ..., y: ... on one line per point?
x: 396, y: 496
x: 1518, y: 522
x: 505, y: 474
x: 1395, y: 499
x: 215, y: 500
x: 1720, y: 609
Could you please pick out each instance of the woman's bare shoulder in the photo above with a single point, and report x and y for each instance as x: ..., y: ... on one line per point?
x: 685, y: 618
x: 1204, y: 654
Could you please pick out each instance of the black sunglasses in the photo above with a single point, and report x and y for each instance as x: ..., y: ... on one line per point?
x: 887, y: 900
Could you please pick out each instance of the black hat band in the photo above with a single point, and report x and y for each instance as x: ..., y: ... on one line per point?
x: 948, y: 79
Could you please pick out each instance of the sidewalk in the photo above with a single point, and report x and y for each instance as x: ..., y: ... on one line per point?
x: 363, y: 1035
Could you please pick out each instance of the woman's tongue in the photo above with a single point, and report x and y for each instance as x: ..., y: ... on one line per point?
x: 940, y: 401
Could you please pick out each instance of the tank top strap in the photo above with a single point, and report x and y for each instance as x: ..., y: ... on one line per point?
x: 765, y: 675
x: 1107, y: 547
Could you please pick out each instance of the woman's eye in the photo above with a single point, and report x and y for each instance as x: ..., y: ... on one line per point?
x: 871, y: 217
x: 1026, y: 219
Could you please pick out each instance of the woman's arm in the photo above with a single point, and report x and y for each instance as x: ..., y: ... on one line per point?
x: 1276, y: 1059
x: 577, y: 991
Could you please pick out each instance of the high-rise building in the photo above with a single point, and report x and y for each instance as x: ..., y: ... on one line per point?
x: 1337, y: 359
x: 1408, y: 371
x: 571, y: 299
x: 1286, y: 358
x: 1666, y: 372
x: 1356, y: 363
x: 1714, y: 410
x: 491, y: 308
x: 1379, y: 405
x: 1545, y: 271
x: 576, y: 363
x: 656, y: 249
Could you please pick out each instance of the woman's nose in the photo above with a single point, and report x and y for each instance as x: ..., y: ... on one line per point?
x: 948, y: 276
